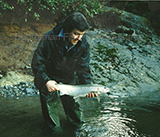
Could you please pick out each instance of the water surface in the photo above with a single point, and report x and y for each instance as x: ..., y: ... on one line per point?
x: 113, y: 116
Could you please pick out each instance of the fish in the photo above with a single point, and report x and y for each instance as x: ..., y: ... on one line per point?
x: 81, y: 90
x: 74, y: 91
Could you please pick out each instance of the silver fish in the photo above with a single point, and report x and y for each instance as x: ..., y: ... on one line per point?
x: 81, y: 90
x: 75, y: 91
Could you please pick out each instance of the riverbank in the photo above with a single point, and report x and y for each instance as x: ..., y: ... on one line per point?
x: 125, y: 54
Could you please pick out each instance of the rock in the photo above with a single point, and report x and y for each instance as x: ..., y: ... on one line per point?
x: 27, y: 67
x: 132, y: 63
x: 29, y: 91
x: 1, y: 76
x: 6, y: 87
x: 22, y: 83
x: 19, y: 90
x: 123, y: 29
x: 127, y: 22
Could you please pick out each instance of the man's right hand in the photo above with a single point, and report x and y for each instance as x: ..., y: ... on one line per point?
x: 51, y: 86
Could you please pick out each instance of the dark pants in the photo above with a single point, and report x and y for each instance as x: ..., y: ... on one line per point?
x: 71, y: 106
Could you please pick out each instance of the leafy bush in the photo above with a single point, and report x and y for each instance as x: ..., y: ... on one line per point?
x: 35, y: 7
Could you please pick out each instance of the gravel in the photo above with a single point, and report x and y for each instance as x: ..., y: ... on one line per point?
x: 23, y: 89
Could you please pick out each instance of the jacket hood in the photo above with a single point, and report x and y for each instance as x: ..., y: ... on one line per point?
x: 58, y: 28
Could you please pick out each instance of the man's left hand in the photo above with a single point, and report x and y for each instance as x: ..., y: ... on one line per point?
x: 92, y: 95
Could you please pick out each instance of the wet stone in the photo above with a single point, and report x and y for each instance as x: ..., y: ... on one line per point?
x: 22, y: 83
x: 6, y: 87
x: 29, y: 90
x: 1, y: 76
x: 16, y: 91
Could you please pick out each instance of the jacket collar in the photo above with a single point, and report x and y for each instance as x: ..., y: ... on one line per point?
x: 61, y: 33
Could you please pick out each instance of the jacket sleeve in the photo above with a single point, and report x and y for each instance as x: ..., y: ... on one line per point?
x: 39, y: 64
x: 83, y: 69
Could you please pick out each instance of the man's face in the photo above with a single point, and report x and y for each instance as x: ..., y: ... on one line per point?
x: 76, y: 35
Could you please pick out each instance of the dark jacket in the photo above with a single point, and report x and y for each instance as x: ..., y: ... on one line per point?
x: 51, y: 61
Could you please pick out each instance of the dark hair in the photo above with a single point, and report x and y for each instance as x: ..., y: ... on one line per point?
x: 76, y: 21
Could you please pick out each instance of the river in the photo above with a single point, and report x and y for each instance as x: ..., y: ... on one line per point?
x: 113, y: 116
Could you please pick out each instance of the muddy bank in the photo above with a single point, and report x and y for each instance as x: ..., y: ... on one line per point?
x: 17, y: 44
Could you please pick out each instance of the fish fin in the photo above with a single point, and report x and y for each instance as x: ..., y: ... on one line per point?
x: 98, y: 98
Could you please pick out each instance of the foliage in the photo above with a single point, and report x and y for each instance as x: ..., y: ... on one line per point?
x: 35, y: 7
x: 106, y: 53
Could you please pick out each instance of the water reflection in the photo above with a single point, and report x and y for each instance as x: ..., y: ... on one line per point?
x: 128, y: 117
x: 111, y: 121
x: 111, y: 117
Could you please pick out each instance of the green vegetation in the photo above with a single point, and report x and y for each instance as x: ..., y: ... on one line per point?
x: 34, y: 8
x: 106, y: 53
x: 40, y: 10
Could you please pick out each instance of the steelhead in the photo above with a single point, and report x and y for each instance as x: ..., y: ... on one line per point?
x: 81, y: 90
x: 72, y: 90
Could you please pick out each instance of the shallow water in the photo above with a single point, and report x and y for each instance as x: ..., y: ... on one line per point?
x: 113, y: 116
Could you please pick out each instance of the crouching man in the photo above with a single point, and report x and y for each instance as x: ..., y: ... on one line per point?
x: 62, y: 56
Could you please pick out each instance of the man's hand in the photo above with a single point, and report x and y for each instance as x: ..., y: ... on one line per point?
x: 92, y: 95
x: 51, y: 86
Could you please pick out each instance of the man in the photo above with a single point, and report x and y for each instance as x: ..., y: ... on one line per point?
x: 63, y: 56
